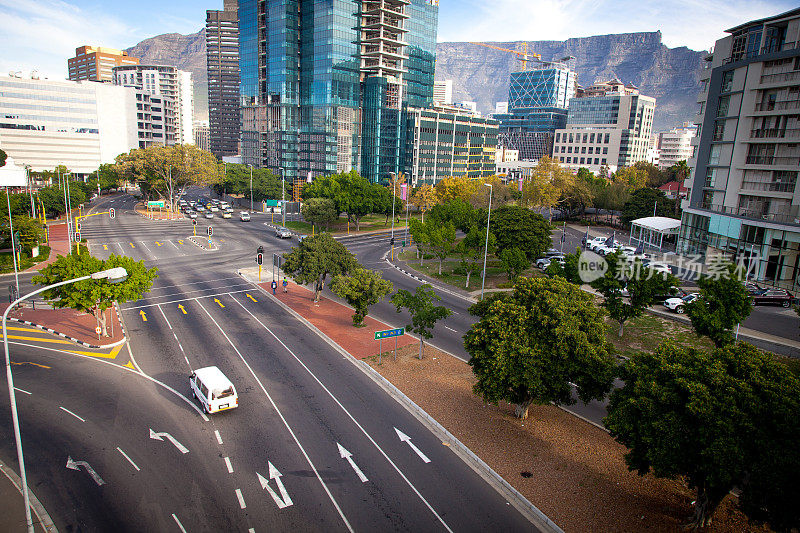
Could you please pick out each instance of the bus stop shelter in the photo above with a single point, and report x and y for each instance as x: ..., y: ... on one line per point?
x: 650, y: 231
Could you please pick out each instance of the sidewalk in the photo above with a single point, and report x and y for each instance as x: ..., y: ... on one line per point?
x: 12, y: 519
x: 71, y: 324
x: 59, y: 245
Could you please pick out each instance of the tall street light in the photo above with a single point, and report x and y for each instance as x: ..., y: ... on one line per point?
x: 283, y: 197
x: 486, y: 250
x: 394, y: 180
x: 251, y: 188
x: 113, y: 275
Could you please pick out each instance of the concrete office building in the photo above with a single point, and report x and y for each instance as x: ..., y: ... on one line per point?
x: 609, y: 87
x: 222, y: 65
x: 675, y: 145
x: 744, y: 201
x: 174, y: 87
x: 329, y: 91
x: 443, y: 91
x: 605, y: 131
x: 537, y: 107
x: 202, y: 135
x: 95, y: 63
x: 82, y: 124
x: 444, y: 144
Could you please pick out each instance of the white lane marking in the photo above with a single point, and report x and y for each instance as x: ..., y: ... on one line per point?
x: 173, y: 244
x: 344, y: 454
x: 73, y: 414
x: 229, y: 465
x: 219, y: 438
x: 405, y: 438
x: 216, y: 295
x: 283, y: 419
x: 75, y: 465
x: 178, y: 522
x: 145, y: 247
x: 125, y: 455
x: 251, y: 530
x: 351, y: 417
x: 165, y: 317
x: 451, y: 329
x: 194, y: 283
x: 21, y: 390
x: 283, y: 500
x: 173, y: 440
x: 241, y: 498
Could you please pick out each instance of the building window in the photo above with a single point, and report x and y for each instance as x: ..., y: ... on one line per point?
x: 585, y: 137
x: 605, y: 150
x: 719, y: 130
x: 713, y: 156
x: 727, y: 82
x: 596, y: 160
x: 722, y: 106
x: 558, y: 136
x: 607, y: 139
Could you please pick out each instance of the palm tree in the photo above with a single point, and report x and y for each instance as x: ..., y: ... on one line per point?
x: 681, y: 170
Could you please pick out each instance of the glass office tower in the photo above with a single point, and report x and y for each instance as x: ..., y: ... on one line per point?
x: 324, y: 84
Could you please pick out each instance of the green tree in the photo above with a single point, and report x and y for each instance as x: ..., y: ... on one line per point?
x: 320, y: 211
x: 642, y: 284
x: 30, y: 230
x: 357, y: 197
x: 717, y: 420
x: 94, y: 296
x: 455, y: 211
x: 441, y: 239
x: 529, y: 346
x: 3, y: 157
x: 361, y: 289
x: 724, y: 302
x: 472, y: 248
x: 514, y: 262
x: 631, y: 177
x: 570, y: 271
x: 641, y: 202
x: 235, y: 181
x: 420, y: 234
x: 655, y: 176
x: 517, y: 227
x: 316, y: 258
x: 424, y: 313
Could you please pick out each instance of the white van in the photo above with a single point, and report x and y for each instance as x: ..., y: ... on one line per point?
x: 213, y: 389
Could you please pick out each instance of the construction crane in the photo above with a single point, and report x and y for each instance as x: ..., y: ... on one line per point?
x: 524, y: 56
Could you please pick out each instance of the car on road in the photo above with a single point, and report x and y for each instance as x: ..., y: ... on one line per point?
x: 213, y: 208
x: 209, y: 214
x: 214, y: 391
x: 244, y: 216
x: 191, y: 214
x: 773, y: 296
x: 226, y: 214
x: 283, y: 233
x: 674, y: 292
x: 593, y: 243
x: 659, y: 268
x: 679, y: 304
x: 544, y: 262
x: 301, y: 238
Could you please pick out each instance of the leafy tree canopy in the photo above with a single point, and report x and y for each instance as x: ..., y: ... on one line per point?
x: 514, y: 262
x: 424, y: 313
x: 361, y: 289
x: 320, y: 211
x: 317, y: 257
x: 725, y: 302
x: 515, y: 226
x: 455, y: 211
x: 641, y: 202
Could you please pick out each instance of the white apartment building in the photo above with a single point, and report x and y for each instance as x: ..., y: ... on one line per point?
x: 202, y: 135
x: 675, y: 145
x: 443, y: 92
x: 79, y: 124
x: 744, y: 202
x: 501, y: 108
x: 171, y: 84
x: 610, y: 131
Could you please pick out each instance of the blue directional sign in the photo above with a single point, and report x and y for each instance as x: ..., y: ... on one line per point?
x: 385, y: 334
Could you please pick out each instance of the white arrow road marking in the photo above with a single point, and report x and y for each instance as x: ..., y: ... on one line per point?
x: 349, y: 457
x: 405, y: 438
x: 283, y: 500
x: 159, y: 436
x: 75, y: 465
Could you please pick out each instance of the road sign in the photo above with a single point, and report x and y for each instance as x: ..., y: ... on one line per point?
x: 155, y: 203
x: 112, y: 213
x: 388, y: 333
x: 97, y: 330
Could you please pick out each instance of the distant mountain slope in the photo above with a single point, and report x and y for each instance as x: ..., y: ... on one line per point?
x: 480, y: 74
x: 671, y: 75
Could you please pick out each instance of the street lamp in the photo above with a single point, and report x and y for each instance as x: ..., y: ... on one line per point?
x: 486, y: 250
x: 283, y: 197
x: 393, y: 199
x: 251, y: 188
x: 113, y: 275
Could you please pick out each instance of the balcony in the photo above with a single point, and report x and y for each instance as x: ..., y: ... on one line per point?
x: 780, y: 77
x: 772, y: 160
x: 788, y: 216
x: 775, y: 133
x: 778, y: 106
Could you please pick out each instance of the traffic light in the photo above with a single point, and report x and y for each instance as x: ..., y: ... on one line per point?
x: 77, y: 236
x: 210, y: 231
x: 112, y: 213
x: 391, y: 241
x: 260, y: 250
x: 194, y: 222
x: 79, y: 226
x: 260, y: 259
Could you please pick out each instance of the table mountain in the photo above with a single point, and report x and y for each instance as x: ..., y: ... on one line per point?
x: 480, y: 74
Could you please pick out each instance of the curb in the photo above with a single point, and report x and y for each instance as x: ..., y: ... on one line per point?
x: 194, y: 239
x: 73, y: 339
x: 436, y: 286
x: 511, y: 494
x: 38, y: 509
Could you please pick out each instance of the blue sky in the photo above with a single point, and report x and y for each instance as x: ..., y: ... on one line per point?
x: 42, y: 34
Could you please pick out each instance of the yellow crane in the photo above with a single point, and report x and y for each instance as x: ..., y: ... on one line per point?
x: 523, y: 56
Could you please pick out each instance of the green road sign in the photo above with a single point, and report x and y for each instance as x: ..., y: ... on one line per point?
x: 388, y: 333
x: 155, y: 203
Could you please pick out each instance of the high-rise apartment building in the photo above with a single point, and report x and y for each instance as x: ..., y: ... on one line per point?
x: 222, y: 65
x: 744, y: 202
x: 95, y: 63
x: 675, y: 145
x: 537, y: 107
x: 443, y: 91
x: 326, y: 86
x: 174, y: 87
x: 605, y: 131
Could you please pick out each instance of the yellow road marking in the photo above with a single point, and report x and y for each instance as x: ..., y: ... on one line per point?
x: 220, y: 303
x: 22, y: 329
x: 143, y: 315
x: 30, y: 363
x: 182, y: 308
x: 132, y: 246
x: 248, y: 295
x: 129, y: 364
x: 105, y: 247
x: 158, y: 243
x: 180, y: 241
x: 39, y: 339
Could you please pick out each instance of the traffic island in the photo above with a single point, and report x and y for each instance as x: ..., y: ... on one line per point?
x: 206, y: 243
x: 76, y: 326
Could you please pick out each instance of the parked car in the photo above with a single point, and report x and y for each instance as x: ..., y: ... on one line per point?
x: 773, y: 296
x: 674, y: 292
x: 244, y: 216
x: 544, y: 262
x: 301, y: 238
x: 659, y: 268
x: 283, y: 233
x: 679, y: 304
x: 592, y: 243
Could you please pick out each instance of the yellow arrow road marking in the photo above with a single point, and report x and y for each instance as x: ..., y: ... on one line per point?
x: 105, y: 247
x: 158, y: 243
x: 182, y: 308
x: 129, y: 364
x: 220, y: 303
x: 248, y: 295
x: 132, y: 246
x: 143, y: 315
x: 180, y: 241
x: 110, y: 355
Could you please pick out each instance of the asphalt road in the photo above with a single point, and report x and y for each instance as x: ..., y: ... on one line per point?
x: 299, y: 401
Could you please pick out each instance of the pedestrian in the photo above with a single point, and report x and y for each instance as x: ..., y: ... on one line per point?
x: 274, y: 286
x: 285, y: 285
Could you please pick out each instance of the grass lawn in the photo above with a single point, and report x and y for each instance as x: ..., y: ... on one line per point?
x: 368, y: 223
x: 7, y: 262
x: 646, y: 332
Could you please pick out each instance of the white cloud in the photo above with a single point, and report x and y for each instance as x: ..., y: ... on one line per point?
x: 693, y: 23
x: 42, y: 34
